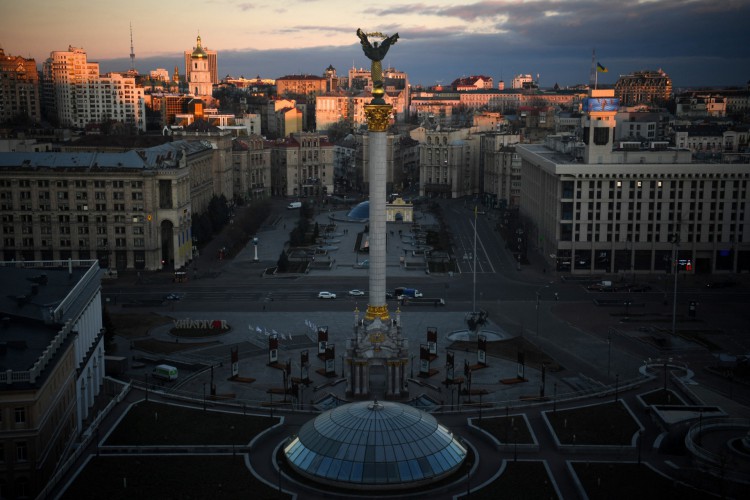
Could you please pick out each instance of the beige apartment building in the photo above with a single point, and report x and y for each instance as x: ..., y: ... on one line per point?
x: 82, y: 96
x: 130, y: 210
x: 448, y: 162
x: 644, y: 87
x: 221, y: 161
x: 291, y: 85
x: 302, y: 165
x: 501, y: 169
x: 251, y: 168
x: 19, y: 88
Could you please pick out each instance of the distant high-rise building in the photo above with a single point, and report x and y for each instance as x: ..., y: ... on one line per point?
x: 80, y: 96
x: 212, y: 58
x: 644, y: 87
x: 19, y: 88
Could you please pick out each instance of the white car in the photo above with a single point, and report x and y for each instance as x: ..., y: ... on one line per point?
x: 326, y: 295
x: 356, y: 293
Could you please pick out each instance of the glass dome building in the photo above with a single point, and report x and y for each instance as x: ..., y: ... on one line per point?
x: 374, y: 445
x: 360, y: 212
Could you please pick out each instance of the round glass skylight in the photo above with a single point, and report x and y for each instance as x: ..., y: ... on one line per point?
x: 380, y: 445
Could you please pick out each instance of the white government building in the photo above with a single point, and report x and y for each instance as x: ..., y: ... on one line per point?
x: 605, y: 206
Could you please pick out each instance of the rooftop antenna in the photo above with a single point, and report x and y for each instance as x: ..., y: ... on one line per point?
x: 132, y: 51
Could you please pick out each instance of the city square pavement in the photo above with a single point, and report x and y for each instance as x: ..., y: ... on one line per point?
x: 259, y: 385
x: 296, y: 331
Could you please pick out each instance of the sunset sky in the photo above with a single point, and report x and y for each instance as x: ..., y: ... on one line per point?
x: 697, y: 42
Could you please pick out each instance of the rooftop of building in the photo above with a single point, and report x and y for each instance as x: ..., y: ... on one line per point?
x: 299, y: 77
x: 30, y: 313
x: 75, y: 160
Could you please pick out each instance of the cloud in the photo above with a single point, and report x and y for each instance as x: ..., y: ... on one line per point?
x: 700, y: 42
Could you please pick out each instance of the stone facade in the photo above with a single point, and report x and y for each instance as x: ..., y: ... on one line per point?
x: 19, y: 88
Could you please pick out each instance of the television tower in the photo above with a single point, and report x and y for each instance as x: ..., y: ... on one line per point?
x: 132, y: 51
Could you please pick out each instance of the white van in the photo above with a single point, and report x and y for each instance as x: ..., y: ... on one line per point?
x: 294, y: 204
x: 165, y: 372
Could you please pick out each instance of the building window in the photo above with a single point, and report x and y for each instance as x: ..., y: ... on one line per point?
x: 21, y: 451
x: 20, y: 415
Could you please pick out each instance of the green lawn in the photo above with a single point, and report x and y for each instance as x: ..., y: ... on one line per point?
x: 168, y: 477
x: 512, y: 429
x: 611, y: 481
x: 520, y: 480
x: 157, y: 424
x: 605, y: 424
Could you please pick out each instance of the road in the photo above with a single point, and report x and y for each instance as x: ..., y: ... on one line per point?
x: 525, y: 300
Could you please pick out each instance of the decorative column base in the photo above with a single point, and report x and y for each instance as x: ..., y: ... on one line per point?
x: 380, y: 312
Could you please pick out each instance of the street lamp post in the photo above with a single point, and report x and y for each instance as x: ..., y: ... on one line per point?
x: 537, y: 313
x: 204, y: 396
x: 609, y: 350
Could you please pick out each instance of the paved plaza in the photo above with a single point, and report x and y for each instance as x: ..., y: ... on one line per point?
x: 260, y: 385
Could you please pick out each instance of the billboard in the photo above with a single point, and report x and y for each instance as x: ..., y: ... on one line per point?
x: 594, y: 104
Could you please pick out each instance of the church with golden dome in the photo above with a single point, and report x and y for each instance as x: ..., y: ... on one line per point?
x: 201, y: 71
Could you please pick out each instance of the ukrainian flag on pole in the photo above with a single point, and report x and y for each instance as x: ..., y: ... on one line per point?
x: 600, y: 68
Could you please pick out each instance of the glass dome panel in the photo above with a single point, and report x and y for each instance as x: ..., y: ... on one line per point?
x: 384, y: 445
x: 360, y: 211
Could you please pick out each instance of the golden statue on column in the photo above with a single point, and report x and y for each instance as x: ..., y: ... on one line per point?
x: 376, y: 52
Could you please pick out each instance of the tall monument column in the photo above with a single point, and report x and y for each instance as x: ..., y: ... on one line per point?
x: 377, y: 343
x: 378, y: 116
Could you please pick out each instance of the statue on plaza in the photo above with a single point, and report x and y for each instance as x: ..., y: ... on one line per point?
x: 376, y: 52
